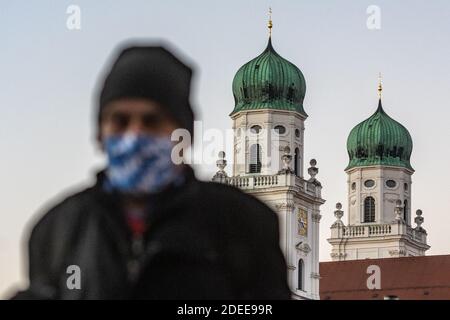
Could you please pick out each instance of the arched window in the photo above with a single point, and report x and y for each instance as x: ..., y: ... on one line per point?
x: 369, y: 209
x: 405, y: 210
x: 255, y: 159
x: 297, y: 162
x: 300, y: 275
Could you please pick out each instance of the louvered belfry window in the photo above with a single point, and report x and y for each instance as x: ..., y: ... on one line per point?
x: 369, y: 209
x: 255, y: 159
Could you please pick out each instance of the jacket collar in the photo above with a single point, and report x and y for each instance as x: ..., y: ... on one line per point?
x: 175, y: 196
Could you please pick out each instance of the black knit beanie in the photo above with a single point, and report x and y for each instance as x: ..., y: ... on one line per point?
x: 153, y: 73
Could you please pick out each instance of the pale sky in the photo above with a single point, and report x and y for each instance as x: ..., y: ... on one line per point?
x: 48, y: 76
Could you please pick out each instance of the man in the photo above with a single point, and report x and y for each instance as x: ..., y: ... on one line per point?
x: 148, y: 229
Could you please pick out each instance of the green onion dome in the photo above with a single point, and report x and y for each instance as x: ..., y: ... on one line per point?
x: 269, y: 82
x: 379, y: 140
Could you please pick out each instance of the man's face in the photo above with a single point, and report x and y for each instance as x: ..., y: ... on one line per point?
x: 138, y: 116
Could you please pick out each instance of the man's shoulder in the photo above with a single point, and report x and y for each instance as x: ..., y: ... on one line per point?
x: 237, y: 212
x: 63, y: 208
x: 223, y: 192
x: 233, y: 199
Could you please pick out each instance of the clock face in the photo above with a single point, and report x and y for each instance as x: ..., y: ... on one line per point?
x: 302, y: 222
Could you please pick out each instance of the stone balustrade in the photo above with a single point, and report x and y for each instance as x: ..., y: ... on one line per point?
x: 377, y: 230
x: 277, y: 180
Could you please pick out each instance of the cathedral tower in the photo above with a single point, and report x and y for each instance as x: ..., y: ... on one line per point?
x: 379, y: 194
x: 268, y: 123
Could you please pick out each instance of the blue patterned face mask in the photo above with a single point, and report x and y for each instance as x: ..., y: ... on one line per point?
x: 139, y: 164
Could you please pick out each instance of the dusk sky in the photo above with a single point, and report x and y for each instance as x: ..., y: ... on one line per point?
x: 49, y: 74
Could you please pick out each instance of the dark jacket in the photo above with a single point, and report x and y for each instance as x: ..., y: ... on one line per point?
x: 205, y: 241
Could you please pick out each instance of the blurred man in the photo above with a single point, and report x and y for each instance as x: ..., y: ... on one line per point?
x: 148, y: 229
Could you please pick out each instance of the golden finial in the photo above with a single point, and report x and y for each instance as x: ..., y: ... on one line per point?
x: 269, y: 24
x: 380, y: 86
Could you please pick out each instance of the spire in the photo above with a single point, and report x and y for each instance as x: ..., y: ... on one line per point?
x: 380, y: 86
x: 380, y: 89
x: 269, y: 24
x: 269, y: 46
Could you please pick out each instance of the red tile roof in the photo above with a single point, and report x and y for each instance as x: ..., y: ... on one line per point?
x: 426, y: 277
